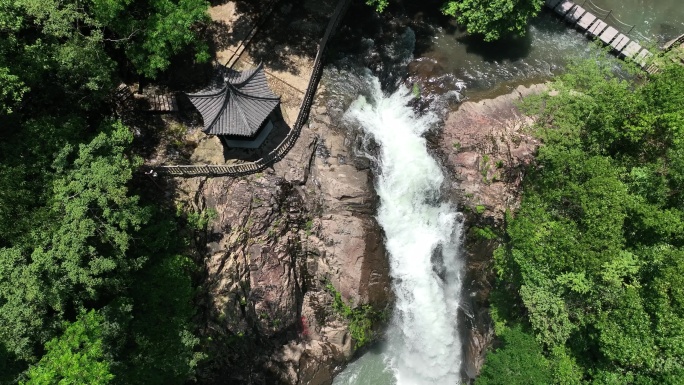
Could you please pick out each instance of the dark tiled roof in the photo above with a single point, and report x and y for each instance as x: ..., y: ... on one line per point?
x: 239, y: 106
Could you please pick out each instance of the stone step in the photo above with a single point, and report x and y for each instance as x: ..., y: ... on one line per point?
x: 608, y: 35
x: 620, y: 42
x: 596, y: 28
x: 631, y: 50
x: 574, y: 16
x: 564, y: 7
x: 586, y: 21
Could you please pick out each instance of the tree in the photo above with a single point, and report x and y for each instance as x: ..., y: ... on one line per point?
x: 379, y: 5
x: 77, y: 251
x: 593, y: 257
x: 493, y: 18
x: 519, y: 361
x: 151, y: 32
x: 162, y: 355
x: 76, y: 357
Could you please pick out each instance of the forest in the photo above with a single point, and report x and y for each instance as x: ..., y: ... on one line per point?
x: 97, y: 285
x: 89, y: 266
x: 590, y: 274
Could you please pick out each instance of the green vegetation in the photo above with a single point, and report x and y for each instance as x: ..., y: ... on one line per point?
x: 379, y: 5
x: 591, y: 277
x: 75, y: 357
x: 92, y: 287
x: 493, y: 19
x: 485, y: 233
x: 519, y: 361
x: 415, y: 90
x: 361, y: 318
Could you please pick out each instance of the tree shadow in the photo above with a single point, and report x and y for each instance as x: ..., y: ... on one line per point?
x: 247, y: 15
x: 294, y: 28
x: 512, y: 48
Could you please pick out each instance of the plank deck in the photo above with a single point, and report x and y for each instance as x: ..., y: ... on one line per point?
x: 620, y: 42
x: 586, y: 21
x: 564, y: 7
x: 608, y: 35
x: 631, y: 50
x: 596, y: 28
x: 163, y: 103
x: 574, y: 16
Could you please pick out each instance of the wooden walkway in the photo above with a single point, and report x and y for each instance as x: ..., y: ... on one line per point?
x: 286, y: 145
x: 163, y: 103
x: 596, y: 28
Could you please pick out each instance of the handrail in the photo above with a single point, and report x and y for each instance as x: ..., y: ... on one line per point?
x: 286, y: 145
x: 668, y: 46
x: 606, y: 14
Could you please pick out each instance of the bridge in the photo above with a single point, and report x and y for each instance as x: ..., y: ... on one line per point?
x: 601, y: 24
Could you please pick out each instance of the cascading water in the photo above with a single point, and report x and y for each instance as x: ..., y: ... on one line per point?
x: 423, y: 237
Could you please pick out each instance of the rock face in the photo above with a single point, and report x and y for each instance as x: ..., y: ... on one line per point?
x: 278, y: 239
x: 485, y: 145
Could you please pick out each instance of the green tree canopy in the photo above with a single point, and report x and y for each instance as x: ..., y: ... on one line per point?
x: 594, y: 255
x: 493, y: 18
x: 77, y: 249
x: 520, y: 361
x: 74, y: 358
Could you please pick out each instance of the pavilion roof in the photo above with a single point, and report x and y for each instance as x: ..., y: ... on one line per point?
x: 238, y: 105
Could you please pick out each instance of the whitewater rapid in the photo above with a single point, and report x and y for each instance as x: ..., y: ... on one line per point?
x: 423, y: 233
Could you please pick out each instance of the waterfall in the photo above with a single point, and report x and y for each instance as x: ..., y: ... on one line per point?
x: 423, y: 237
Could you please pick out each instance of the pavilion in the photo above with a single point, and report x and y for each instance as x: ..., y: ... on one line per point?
x: 237, y: 107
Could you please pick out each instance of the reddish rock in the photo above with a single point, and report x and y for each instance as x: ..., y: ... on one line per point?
x: 278, y: 239
x: 487, y: 148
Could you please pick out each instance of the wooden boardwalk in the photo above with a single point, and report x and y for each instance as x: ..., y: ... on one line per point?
x: 163, y: 103
x: 286, y: 145
x: 596, y: 28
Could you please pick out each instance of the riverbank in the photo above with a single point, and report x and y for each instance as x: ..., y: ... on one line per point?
x: 486, y: 146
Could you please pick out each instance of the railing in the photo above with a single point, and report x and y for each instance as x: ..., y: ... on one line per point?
x: 608, y: 17
x: 250, y: 35
x: 668, y: 46
x: 286, y: 145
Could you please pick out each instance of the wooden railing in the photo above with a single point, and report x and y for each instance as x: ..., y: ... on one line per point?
x: 286, y: 145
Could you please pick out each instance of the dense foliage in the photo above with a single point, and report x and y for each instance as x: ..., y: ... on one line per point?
x: 85, y: 263
x: 493, y: 18
x: 593, y: 265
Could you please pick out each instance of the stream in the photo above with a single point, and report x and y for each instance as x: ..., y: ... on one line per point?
x: 423, y: 235
x: 422, y: 343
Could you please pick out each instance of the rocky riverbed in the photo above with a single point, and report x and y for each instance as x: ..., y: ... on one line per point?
x: 280, y: 236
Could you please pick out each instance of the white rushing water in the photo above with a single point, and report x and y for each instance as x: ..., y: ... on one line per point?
x: 423, y: 237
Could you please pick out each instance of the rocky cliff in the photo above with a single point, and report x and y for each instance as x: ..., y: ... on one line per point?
x: 277, y: 239
x: 487, y: 147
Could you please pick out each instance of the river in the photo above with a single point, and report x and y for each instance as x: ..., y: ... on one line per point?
x: 492, y: 69
x: 423, y: 233
x: 423, y: 230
